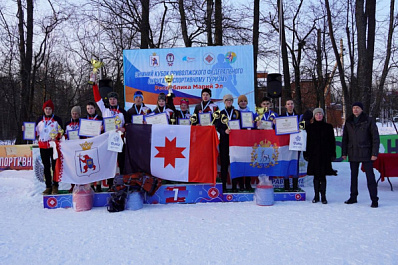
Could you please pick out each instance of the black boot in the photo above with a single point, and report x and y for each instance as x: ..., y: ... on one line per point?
x: 286, y: 184
x: 295, y: 184
x: 234, y: 185
x: 248, y: 184
x: 316, y: 190
x: 323, y: 192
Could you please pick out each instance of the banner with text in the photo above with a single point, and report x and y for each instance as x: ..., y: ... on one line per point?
x: 223, y: 69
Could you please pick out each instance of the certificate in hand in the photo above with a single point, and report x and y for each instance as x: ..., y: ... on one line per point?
x: 247, y: 119
x: 137, y: 119
x: 29, y: 133
x: 89, y: 128
x: 73, y: 134
x: 157, y: 119
x: 109, y: 124
x: 234, y: 125
x: 286, y: 125
x: 265, y: 125
x: 205, y: 119
x: 184, y: 122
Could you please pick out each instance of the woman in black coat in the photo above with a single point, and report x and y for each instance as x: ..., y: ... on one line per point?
x: 320, y: 152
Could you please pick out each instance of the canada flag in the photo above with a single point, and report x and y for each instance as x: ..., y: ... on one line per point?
x: 172, y: 152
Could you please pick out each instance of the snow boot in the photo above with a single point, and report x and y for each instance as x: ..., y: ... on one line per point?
x: 316, y: 191
x: 375, y: 204
x: 323, y: 192
x: 295, y: 184
x: 54, y: 190
x: 47, y: 191
x: 351, y: 201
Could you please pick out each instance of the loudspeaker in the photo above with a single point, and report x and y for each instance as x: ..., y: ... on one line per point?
x: 274, y: 85
x: 105, y: 86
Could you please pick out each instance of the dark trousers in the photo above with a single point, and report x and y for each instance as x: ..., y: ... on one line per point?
x: 48, y: 163
x: 370, y: 177
x: 224, y: 161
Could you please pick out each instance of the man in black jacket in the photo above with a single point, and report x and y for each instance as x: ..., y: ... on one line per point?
x: 361, y: 144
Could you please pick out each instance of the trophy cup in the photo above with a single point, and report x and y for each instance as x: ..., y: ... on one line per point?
x: 302, y: 125
x: 260, y: 112
x: 224, y: 119
x: 193, y: 119
x: 169, y: 80
x: 54, y: 132
x: 173, y: 118
x: 216, y: 116
x: 96, y: 65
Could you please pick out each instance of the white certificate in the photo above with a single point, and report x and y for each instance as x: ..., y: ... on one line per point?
x: 184, y: 122
x: 205, y: 119
x: 137, y: 119
x: 89, y: 128
x: 247, y: 119
x: 265, y: 125
x: 234, y: 125
x: 109, y: 124
x: 73, y: 134
x: 286, y: 125
x: 157, y: 119
x: 29, y: 133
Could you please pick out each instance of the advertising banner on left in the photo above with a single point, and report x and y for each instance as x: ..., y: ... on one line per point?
x: 16, y: 157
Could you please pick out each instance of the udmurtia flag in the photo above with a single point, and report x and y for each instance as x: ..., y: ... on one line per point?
x: 85, y: 161
x: 177, y: 153
x: 255, y: 152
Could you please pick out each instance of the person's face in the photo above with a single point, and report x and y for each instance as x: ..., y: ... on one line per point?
x: 48, y: 111
x: 242, y: 104
x: 356, y: 111
x: 184, y: 107
x: 138, y: 101
x: 228, y: 103
x: 289, y: 106
x: 265, y: 104
x: 75, y: 115
x: 205, y: 96
x: 161, y: 102
x: 318, y: 116
x: 90, y: 109
x: 113, y: 102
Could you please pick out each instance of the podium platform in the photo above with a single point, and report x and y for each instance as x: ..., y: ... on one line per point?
x: 177, y: 193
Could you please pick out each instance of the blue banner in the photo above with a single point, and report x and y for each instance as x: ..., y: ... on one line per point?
x: 223, y: 69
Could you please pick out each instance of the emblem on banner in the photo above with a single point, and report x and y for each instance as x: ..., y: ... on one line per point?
x: 86, y: 160
x: 154, y: 60
x: 170, y: 59
x: 208, y: 58
x: 264, y: 155
x: 230, y: 57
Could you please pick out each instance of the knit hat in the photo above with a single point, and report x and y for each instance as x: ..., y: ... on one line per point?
x: 138, y: 94
x: 162, y: 96
x: 184, y: 101
x: 359, y: 104
x: 48, y: 103
x: 76, y: 109
x: 241, y: 98
x: 318, y: 110
x: 113, y: 95
x: 206, y: 90
x: 226, y: 97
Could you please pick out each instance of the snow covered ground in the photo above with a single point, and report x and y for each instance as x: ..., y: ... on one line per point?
x: 212, y: 233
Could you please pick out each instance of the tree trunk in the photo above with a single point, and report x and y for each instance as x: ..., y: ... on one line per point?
x: 287, y: 91
x: 184, y: 30
x: 209, y: 13
x: 320, y: 82
x: 144, y: 26
x: 256, y: 22
x: 218, y: 23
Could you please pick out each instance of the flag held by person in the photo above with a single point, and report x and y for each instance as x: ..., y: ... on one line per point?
x: 177, y: 153
x: 256, y: 152
x: 85, y: 161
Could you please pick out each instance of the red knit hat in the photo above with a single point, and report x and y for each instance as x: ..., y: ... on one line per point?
x: 48, y: 103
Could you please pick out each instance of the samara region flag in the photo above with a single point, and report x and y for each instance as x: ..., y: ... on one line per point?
x: 85, y: 161
x: 177, y: 153
x: 255, y: 152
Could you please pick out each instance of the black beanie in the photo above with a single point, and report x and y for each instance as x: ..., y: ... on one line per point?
x: 359, y: 104
x: 206, y: 90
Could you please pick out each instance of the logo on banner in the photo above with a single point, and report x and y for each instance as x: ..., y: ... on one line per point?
x: 154, y: 60
x: 86, y: 160
x: 170, y: 59
x: 188, y: 59
x: 230, y: 57
x: 264, y: 155
x: 209, y: 58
